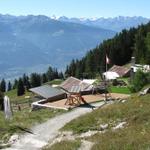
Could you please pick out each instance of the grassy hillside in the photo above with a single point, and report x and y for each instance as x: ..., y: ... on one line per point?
x: 136, y: 133
x: 23, y: 120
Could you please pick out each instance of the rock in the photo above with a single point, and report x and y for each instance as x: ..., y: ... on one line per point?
x: 27, y: 97
x: 146, y: 91
x: 103, y: 126
x: 123, y: 100
x: 13, y: 138
x: 88, y: 134
x: 119, y: 126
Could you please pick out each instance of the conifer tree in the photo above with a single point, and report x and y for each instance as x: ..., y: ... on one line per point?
x: 55, y: 73
x: 49, y: 74
x: 15, y: 84
x: 147, y: 54
x: 26, y: 82
x: 20, y: 87
x: 3, y: 86
x: 35, y: 80
x: 25, y: 79
x: 60, y: 75
x: 9, y: 86
x: 44, y: 78
x: 28, y: 85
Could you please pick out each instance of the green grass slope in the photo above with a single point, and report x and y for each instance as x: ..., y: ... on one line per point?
x: 135, y: 135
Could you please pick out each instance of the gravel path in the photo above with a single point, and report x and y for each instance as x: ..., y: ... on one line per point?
x: 48, y: 131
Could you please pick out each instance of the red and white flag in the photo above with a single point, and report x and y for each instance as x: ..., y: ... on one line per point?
x: 107, y: 60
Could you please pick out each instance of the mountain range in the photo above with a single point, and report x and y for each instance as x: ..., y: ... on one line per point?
x: 116, y: 24
x: 32, y: 43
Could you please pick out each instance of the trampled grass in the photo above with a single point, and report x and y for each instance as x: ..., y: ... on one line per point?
x: 136, y: 133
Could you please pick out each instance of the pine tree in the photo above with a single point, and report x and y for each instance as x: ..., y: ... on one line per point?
x: 20, y: 88
x: 140, y: 48
x: 147, y: 53
x: 1, y: 101
x: 67, y: 73
x: 60, y: 75
x: 25, y: 79
x: 49, y: 74
x: 35, y: 80
x: 28, y: 85
x: 3, y: 86
x: 55, y: 73
x: 44, y: 78
x: 26, y: 82
x: 15, y: 84
x: 9, y: 86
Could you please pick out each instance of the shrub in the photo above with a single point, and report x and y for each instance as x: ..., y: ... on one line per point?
x: 148, y: 77
x: 139, y: 81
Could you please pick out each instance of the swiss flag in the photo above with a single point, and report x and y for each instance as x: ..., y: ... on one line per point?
x: 107, y: 60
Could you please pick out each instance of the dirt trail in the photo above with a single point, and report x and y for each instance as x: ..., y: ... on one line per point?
x: 48, y: 131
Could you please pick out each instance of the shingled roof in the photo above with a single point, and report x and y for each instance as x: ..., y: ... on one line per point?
x: 74, y: 82
x: 120, y: 70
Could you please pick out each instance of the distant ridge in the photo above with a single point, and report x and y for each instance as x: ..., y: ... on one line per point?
x: 115, y: 24
x: 31, y: 43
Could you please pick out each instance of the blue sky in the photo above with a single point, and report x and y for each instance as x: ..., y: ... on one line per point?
x: 77, y: 8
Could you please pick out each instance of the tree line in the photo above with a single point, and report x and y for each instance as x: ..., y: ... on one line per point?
x: 26, y: 82
x: 119, y: 49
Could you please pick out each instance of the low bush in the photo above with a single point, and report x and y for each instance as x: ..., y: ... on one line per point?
x: 139, y: 81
